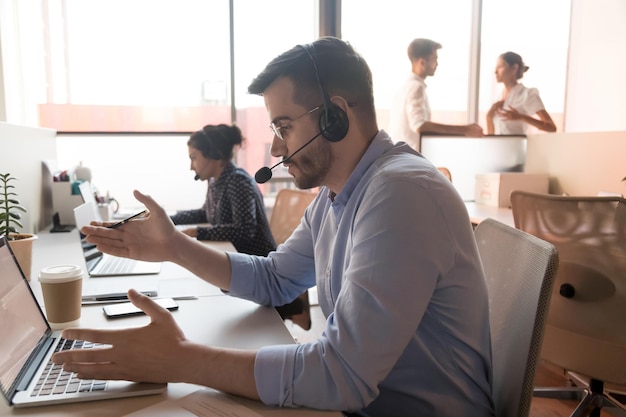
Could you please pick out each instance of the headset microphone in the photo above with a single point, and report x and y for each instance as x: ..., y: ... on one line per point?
x: 197, y: 177
x: 264, y: 174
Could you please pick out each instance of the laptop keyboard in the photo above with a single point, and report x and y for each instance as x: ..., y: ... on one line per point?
x: 118, y: 266
x: 54, y: 380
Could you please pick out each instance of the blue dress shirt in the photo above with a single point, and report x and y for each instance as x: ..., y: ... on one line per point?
x: 401, y: 285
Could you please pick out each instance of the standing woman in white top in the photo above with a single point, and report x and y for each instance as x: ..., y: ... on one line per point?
x: 513, y: 114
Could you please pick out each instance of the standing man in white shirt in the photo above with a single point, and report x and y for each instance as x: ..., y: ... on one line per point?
x: 410, y: 115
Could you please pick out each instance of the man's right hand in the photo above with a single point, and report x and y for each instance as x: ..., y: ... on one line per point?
x: 148, y: 239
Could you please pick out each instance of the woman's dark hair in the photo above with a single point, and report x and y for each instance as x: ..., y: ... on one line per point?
x: 511, y: 58
x: 216, y: 141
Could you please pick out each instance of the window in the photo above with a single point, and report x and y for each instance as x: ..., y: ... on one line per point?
x: 147, y: 66
x: 135, y: 66
x: 382, y: 35
x: 262, y: 31
x: 523, y: 28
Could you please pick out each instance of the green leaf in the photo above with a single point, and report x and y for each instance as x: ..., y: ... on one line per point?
x: 17, y: 223
x: 15, y: 216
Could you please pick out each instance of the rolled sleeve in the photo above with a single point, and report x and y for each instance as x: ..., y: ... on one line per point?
x: 416, y: 106
x: 242, y: 267
x: 275, y: 363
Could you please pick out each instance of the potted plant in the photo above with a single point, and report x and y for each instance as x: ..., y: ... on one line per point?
x: 10, y: 215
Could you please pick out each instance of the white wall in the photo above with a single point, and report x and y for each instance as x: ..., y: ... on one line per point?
x: 583, y: 163
x: 23, y: 150
x: 596, y: 86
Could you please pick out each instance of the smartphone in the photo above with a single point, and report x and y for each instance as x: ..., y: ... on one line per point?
x: 119, y: 310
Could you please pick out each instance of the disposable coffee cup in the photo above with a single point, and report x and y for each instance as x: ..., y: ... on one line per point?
x: 62, y: 287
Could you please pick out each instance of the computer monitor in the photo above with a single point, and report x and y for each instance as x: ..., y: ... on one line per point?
x: 465, y: 157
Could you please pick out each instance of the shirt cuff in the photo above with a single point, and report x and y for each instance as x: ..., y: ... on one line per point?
x: 273, y: 374
x: 242, y: 268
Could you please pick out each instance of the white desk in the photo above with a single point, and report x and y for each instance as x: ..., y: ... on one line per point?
x: 479, y: 212
x: 215, y: 319
x: 64, y: 248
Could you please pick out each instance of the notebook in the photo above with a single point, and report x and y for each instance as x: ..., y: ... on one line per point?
x: 27, y: 343
x: 103, y: 265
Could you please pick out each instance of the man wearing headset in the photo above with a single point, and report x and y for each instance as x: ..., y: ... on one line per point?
x: 387, y: 241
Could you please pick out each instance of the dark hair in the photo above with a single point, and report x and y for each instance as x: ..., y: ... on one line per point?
x: 511, y: 58
x: 341, y: 69
x: 216, y: 141
x: 422, y: 48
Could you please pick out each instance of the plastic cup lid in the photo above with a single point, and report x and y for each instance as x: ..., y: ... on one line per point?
x: 60, y: 273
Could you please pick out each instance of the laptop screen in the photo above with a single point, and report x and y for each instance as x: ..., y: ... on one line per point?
x: 22, y: 323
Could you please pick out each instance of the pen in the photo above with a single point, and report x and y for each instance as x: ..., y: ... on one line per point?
x: 118, y: 224
x: 119, y: 296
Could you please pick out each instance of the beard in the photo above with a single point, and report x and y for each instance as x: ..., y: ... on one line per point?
x: 313, y: 166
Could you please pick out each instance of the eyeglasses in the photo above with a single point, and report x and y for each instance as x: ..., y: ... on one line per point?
x: 278, y: 130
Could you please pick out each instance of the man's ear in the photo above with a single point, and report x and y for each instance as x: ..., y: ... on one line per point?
x: 340, y: 102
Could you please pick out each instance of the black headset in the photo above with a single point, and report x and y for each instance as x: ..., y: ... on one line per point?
x: 333, y: 121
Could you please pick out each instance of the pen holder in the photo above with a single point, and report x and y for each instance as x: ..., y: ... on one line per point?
x: 106, y: 211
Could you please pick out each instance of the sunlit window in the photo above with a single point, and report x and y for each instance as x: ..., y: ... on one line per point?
x: 382, y: 34
x: 263, y: 30
x: 153, y: 66
x: 135, y: 66
x: 539, y: 32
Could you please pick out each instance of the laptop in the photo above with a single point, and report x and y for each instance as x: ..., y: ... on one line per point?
x: 104, y: 265
x: 28, y: 342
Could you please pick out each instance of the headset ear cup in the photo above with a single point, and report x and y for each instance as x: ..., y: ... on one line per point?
x: 336, y: 127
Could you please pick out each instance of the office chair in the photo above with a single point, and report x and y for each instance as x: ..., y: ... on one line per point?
x: 446, y: 172
x: 519, y: 271
x: 586, y: 330
x: 286, y: 215
x: 288, y: 210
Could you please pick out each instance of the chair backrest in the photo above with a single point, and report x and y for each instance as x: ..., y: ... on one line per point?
x: 446, y: 172
x: 287, y: 212
x: 519, y: 271
x: 585, y: 331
